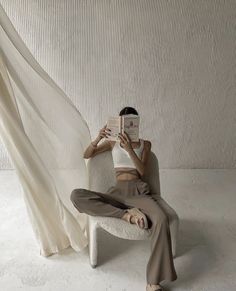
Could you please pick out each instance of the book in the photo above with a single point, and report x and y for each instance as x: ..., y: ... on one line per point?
x: 126, y: 123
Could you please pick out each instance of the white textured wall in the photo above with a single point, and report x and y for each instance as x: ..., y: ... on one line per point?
x: 172, y: 60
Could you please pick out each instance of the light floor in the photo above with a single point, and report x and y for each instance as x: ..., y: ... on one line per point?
x: 205, y: 201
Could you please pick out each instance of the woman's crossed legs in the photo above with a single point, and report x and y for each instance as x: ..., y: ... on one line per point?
x: 160, y: 264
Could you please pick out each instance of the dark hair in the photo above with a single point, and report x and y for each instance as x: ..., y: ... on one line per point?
x: 128, y: 110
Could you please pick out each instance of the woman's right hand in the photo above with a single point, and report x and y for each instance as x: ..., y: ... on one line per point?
x: 103, y: 132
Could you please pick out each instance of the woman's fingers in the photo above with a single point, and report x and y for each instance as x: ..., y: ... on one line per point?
x: 126, y: 136
x: 107, y: 132
x: 103, y: 134
x: 121, y: 137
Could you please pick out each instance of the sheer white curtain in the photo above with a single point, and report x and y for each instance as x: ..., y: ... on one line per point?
x: 45, y: 136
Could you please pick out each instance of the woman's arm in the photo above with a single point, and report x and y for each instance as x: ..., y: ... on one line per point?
x: 141, y: 164
x: 93, y: 149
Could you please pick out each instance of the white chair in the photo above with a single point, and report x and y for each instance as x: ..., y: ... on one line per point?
x: 102, y: 176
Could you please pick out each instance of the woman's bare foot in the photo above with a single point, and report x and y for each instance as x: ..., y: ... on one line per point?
x: 151, y: 287
x: 132, y: 219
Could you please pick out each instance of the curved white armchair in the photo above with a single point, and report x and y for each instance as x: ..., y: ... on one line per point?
x: 102, y: 176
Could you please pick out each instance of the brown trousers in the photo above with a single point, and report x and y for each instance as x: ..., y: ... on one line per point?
x: 128, y: 194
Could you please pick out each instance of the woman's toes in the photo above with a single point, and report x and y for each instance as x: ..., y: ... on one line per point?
x: 138, y: 221
x: 141, y: 222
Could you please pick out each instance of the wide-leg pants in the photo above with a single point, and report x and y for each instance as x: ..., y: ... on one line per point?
x: 114, y: 203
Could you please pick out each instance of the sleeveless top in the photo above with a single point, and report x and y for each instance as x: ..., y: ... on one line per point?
x: 121, y: 157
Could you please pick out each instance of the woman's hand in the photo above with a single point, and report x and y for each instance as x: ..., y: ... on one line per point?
x: 103, y: 132
x: 125, y: 141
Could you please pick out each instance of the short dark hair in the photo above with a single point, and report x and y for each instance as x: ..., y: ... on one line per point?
x: 128, y: 110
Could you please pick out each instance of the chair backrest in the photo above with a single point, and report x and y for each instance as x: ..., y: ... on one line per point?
x: 102, y: 173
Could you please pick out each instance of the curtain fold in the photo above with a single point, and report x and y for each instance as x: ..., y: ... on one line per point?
x: 45, y: 136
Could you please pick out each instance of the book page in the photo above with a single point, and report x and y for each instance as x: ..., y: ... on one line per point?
x: 114, y: 124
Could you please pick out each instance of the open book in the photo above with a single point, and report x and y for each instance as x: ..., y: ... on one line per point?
x: 126, y: 123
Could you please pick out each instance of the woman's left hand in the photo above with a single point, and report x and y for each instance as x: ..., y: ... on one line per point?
x: 125, y: 141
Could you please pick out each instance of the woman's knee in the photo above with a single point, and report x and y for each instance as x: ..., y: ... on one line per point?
x: 160, y: 218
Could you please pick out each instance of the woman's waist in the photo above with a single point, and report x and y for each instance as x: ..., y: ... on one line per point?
x: 127, y: 174
x: 140, y: 185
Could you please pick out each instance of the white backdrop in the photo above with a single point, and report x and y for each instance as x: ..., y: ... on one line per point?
x: 174, y: 61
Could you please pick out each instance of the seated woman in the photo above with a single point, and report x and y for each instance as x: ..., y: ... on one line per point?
x: 130, y: 199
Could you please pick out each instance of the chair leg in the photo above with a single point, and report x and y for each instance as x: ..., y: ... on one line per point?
x: 93, y: 249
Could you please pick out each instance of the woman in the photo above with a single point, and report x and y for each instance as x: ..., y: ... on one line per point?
x: 130, y: 199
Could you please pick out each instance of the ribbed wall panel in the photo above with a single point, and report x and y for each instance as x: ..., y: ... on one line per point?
x: 172, y: 60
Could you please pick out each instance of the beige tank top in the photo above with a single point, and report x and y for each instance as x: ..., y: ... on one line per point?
x: 121, y: 157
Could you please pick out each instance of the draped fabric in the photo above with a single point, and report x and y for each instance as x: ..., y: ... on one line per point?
x: 45, y: 136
